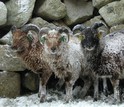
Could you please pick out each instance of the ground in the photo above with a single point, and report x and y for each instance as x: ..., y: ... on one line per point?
x: 57, y: 101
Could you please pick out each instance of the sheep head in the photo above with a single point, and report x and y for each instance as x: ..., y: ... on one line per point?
x: 89, y: 36
x: 53, y: 39
x: 24, y: 37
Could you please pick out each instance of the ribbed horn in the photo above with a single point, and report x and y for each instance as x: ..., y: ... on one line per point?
x: 28, y: 27
x: 97, y: 25
x: 33, y: 27
x: 63, y: 29
x: 79, y: 27
x: 44, y: 30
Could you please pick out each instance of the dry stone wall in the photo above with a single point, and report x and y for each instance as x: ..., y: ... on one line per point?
x: 48, y: 13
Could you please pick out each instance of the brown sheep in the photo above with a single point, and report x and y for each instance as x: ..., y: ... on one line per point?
x: 29, y: 49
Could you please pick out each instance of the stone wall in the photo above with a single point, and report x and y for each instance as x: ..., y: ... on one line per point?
x: 47, y: 13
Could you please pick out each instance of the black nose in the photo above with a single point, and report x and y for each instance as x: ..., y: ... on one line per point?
x: 53, y: 49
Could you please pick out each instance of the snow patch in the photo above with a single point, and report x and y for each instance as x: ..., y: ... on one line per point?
x: 33, y: 101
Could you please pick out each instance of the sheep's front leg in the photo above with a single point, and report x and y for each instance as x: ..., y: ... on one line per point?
x: 69, y: 82
x: 44, y: 77
x: 68, y: 88
x: 60, y: 84
x: 115, y: 84
x: 105, y: 87
x: 96, y: 89
x: 87, y: 85
x: 40, y: 83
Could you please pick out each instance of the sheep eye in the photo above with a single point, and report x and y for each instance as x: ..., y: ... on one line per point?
x: 99, y: 35
x: 42, y: 40
x: 62, y: 39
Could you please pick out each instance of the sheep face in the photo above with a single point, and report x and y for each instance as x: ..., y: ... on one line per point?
x: 21, y: 40
x: 53, y: 40
x: 89, y: 40
x: 89, y: 36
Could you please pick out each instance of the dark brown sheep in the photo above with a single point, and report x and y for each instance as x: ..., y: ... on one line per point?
x: 105, y: 55
x: 90, y: 47
x: 29, y: 49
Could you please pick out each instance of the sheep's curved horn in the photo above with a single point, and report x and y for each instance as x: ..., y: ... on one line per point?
x: 78, y: 27
x: 33, y: 27
x: 64, y: 32
x: 44, y: 30
x: 28, y: 27
x: 63, y: 29
x: 97, y: 25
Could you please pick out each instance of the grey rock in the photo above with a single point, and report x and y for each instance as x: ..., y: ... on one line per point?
x: 59, y: 23
x: 117, y: 28
x: 40, y: 22
x: 78, y: 11
x: 9, y: 84
x: 3, y: 12
x: 51, y: 9
x: 19, y: 11
x: 9, y: 61
x: 30, y: 81
x: 7, y: 39
x: 104, y: 29
x: 99, y: 3
x: 113, y: 13
x: 43, y: 23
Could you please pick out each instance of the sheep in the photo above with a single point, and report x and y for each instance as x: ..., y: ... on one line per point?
x: 90, y: 48
x: 112, y: 60
x: 63, y: 55
x: 29, y: 50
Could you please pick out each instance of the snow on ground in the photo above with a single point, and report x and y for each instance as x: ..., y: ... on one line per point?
x: 33, y: 101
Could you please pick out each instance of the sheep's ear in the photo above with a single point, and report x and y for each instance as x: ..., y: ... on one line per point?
x: 33, y: 38
x: 100, y: 33
x: 64, y: 37
x: 42, y: 35
x: 77, y: 31
x: 64, y: 32
x: 43, y: 39
x: 81, y: 37
x: 30, y: 36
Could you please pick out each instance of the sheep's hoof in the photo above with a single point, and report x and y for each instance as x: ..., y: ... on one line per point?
x: 82, y: 94
x: 116, y: 101
x: 58, y: 86
x: 42, y: 98
x: 51, y: 99
x: 68, y: 99
x: 38, y: 95
x: 106, y: 92
x: 95, y: 99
